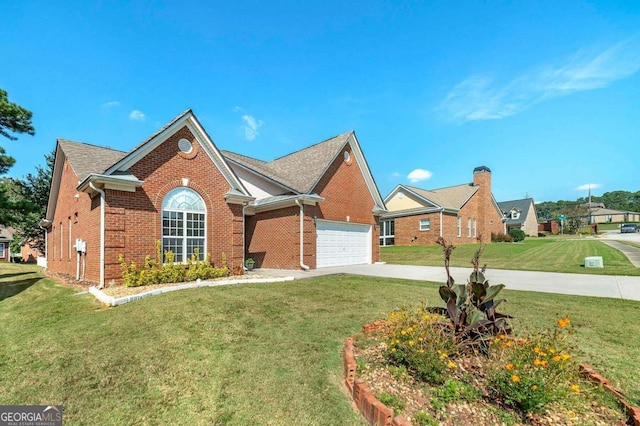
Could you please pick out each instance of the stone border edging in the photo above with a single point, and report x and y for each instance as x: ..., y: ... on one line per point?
x: 113, y: 301
x: 378, y: 414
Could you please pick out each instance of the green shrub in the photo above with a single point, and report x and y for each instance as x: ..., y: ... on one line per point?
x: 391, y: 401
x: 422, y: 418
x: 203, y: 269
x: 500, y: 238
x: 517, y: 235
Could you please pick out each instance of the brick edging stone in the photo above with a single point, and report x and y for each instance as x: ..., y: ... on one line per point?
x: 378, y: 414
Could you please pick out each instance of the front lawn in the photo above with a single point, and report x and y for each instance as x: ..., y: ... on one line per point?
x: 243, y: 354
x: 549, y: 254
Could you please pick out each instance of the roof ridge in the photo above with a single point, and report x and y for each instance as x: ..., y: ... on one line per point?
x: 312, y: 146
x: 438, y: 189
x: 90, y: 145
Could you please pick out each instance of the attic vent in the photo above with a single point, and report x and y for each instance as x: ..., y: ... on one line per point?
x: 185, y: 146
x: 347, y: 156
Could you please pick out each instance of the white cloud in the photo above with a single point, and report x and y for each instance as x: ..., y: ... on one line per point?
x: 419, y: 175
x: 396, y: 174
x: 238, y: 109
x: 111, y: 104
x: 251, y: 127
x: 136, y: 115
x: 482, y: 98
x: 588, y: 186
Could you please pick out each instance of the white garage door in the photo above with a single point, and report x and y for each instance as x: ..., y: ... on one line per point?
x: 342, y: 243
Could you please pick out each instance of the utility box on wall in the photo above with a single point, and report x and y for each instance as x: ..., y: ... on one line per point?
x: 593, y: 262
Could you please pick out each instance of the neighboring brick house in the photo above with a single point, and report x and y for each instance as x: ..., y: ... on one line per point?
x: 521, y: 214
x: 6, y: 236
x: 316, y: 207
x: 461, y: 214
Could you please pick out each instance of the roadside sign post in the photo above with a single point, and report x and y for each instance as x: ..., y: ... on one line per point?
x: 562, y: 218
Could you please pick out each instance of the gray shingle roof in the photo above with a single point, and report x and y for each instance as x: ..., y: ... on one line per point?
x: 6, y: 234
x: 521, y: 205
x: 300, y: 170
x: 86, y: 159
x: 453, y: 197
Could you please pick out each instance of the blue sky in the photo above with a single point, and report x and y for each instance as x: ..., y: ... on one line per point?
x: 545, y: 93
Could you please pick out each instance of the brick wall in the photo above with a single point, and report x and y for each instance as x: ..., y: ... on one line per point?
x: 273, y: 238
x: 133, y: 220
x: 81, y: 214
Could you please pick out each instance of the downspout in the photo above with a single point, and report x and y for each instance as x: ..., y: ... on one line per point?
x: 302, y: 265
x: 441, y: 222
x: 244, y: 243
x: 46, y: 244
x: 102, y: 218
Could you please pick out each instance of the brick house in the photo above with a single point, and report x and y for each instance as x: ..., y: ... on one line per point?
x: 316, y: 207
x: 521, y: 214
x: 461, y: 214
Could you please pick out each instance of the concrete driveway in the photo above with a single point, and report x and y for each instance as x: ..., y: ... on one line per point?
x: 620, y: 287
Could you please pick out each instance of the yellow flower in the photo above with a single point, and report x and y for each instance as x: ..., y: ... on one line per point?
x: 556, y: 358
x: 502, y: 336
x: 536, y: 350
x: 403, y: 332
x: 506, y: 344
x: 534, y: 387
x: 563, y: 322
x: 393, y: 349
x: 565, y: 357
x: 510, y: 367
x: 552, y: 351
x: 537, y: 362
x: 515, y: 378
x: 426, y: 317
x: 451, y: 364
x: 575, y: 388
x: 411, y: 343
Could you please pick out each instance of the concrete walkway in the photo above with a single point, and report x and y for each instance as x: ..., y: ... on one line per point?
x: 620, y: 287
x: 632, y: 253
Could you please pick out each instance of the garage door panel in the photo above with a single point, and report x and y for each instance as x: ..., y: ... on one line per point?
x: 342, y: 243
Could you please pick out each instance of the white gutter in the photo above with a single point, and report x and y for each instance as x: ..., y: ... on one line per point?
x: 244, y: 206
x: 102, y: 219
x: 441, y: 223
x: 302, y: 265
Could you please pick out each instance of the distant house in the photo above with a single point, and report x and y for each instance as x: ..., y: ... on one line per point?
x: 313, y: 208
x: 6, y: 236
x: 521, y: 214
x: 461, y: 214
x: 600, y: 214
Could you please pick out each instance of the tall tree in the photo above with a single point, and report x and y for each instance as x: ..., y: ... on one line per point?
x: 13, y: 119
x: 33, y: 192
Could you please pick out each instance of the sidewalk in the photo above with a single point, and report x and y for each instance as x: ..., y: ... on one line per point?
x: 619, y: 287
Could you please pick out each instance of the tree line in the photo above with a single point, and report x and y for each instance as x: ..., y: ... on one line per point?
x: 23, y: 202
x: 615, y: 200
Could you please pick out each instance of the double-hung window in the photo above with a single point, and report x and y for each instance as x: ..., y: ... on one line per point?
x: 183, y: 224
x: 425, y: 224
x: 459, y: 226
x: 1, y: 249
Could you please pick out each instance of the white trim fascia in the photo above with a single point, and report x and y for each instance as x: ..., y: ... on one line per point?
x: 109, y: 182
x: 364, y: 169
x: 414, y: 212
x: 56, y: 177
x: 471, y: 196
x: 233, y: 197
x: 260, y: 175
x: 290, y: 201
x: 191, y: 122
x: 498, y: 209
x: 414, y: 194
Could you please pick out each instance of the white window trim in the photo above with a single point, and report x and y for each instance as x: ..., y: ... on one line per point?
x: 468, y: 227
x: 475, y: 227
x: 2, y: 250
x: 428, y: 223
x: 459, y: 226
x: 384, y: 228
x: 184, y: 224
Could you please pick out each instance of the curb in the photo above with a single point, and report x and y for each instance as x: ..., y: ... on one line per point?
x: 113, y: 301
x: 378, y: 414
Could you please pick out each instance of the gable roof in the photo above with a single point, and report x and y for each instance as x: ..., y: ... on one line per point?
x: 6, y: 234
x: 452, y: 197
x: 86, y: 159
x: 300, y: 170
x: 520, y: 205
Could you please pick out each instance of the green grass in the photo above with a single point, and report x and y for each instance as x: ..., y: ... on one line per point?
x: 550, y: 254
x: 237, y: 355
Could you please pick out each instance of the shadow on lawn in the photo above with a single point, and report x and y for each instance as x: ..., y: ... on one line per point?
x: 3, y: 276
x: 12, y: 288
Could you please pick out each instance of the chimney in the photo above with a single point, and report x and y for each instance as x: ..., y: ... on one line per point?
x: 482, y: 178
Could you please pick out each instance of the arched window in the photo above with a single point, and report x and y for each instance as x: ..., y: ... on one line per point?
x: 183, y: 224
